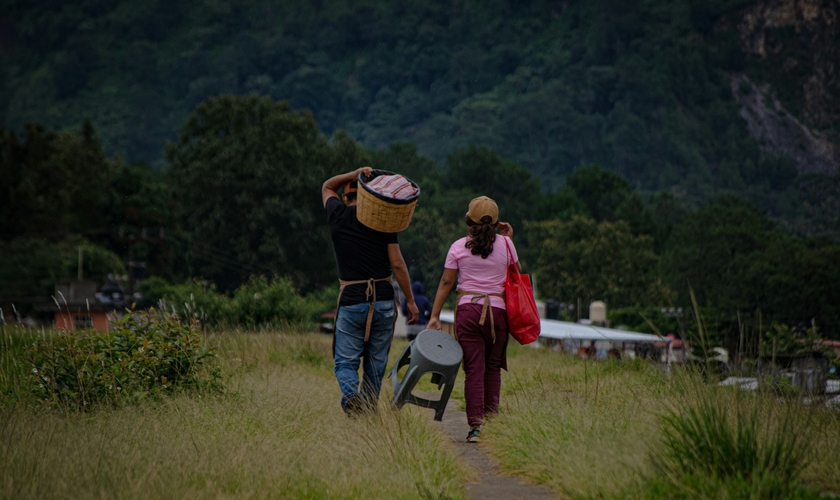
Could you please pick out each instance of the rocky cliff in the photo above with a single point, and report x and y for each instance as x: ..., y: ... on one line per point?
x: 793, y: 53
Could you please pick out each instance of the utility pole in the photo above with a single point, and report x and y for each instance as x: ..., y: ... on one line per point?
x: 131, y: 241
x: 81, y: 262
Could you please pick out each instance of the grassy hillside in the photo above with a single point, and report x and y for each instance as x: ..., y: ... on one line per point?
x: 640, y: 87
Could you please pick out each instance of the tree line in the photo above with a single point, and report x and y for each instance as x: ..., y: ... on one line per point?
x: 240, y: 198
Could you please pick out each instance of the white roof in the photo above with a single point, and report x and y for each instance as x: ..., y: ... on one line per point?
x: 564, y: 330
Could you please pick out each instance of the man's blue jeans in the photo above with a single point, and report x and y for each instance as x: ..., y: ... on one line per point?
x: 350, y: 348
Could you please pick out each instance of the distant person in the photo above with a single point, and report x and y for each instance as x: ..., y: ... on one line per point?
x: 479, y: 261
x: 424, y: 307
x: 366, y: 315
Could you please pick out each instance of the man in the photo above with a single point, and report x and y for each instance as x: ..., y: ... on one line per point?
x: 364, y: 323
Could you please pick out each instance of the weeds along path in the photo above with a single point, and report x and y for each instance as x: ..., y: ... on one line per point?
x: 277, y: 432
x: 489, y: 485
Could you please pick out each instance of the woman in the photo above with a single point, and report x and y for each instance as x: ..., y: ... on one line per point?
x: 479, y: 261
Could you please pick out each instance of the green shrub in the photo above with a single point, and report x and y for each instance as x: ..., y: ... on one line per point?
x: 264, y: 302
x: 722, y: 437
x: 192, y: 299
x: 260, y: 302
x: 146, y: 353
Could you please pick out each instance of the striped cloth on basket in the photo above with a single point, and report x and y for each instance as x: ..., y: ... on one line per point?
x: 393, y: 186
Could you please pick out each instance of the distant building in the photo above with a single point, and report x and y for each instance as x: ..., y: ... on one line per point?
x: 78, y: 305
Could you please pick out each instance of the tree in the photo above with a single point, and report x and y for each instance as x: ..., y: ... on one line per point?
x: 425, y: 244
x: 585, y: 259
x: 712, y: 250
x: 30, y: 266
x: 54, y: 183
x: 481, y: 171
x: 796, y: 281
x: 602, y: 191
x: 246, y: 175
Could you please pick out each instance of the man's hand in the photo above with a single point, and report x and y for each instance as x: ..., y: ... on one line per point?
x: 413, y: 312
x: 433, y: 324
x: 331, y: 186
x: 506, y: 229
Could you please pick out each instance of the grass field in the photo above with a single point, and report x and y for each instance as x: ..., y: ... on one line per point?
x: 591, y: 429
x: 278, y: 432
x: 585, y: 429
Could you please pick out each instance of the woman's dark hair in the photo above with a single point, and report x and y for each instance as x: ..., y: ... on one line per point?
x: 482, y: 235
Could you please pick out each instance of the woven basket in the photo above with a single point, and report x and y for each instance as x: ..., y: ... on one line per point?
x: 383, y: 214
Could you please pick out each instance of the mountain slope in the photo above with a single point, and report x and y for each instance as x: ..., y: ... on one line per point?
x: 641, y: 87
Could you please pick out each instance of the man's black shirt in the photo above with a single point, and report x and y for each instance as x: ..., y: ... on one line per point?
x: 361, y: 253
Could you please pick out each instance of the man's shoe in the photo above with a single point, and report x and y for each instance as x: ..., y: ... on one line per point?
x: 354, y: 406
x: 473, y: 436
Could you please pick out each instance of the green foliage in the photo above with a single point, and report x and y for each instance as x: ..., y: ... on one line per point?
x: 191, y: 299
x: 710, y: 439
x: 425, y: 243
x: 639, y: 87
x: 60, y: 191
x: 31, y: 266
x: 782, y: 339
x: 639, y: 319
x: 713, y: 249
x: 729, y: 252
x: 145, y: 354
x: 258, y: 303
x: 602, y: 191
x: 263, y: 302
x: 701, y: 488
x: 54, y: 182
x: 582, y: 258
x: 483, y: 172
x: 245, y: 174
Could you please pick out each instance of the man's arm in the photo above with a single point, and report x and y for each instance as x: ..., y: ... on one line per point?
x: 333, y: 184
x: 401, y: 273
x: 444, y: 287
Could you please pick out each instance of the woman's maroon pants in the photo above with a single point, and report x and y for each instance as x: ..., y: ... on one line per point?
x: 483, y: 359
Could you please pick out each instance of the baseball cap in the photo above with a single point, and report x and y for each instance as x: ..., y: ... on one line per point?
x: 483, y: 206
x: 351, y: 187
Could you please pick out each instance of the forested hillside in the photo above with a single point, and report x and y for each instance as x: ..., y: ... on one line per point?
x: 643, y: 88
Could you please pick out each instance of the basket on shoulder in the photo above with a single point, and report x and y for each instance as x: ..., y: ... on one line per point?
x: 386, y: 200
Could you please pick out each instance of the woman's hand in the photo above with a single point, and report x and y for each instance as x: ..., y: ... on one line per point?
x: 506, y: 229
x: 433, y: 324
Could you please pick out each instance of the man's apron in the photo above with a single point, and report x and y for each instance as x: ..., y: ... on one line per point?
x: 370, y: 293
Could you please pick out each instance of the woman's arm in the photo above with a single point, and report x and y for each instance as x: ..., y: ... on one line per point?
x: 506, y: 229
x: 444, y: 287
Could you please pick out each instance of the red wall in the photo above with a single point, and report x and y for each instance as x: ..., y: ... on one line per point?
x: 64, y: 319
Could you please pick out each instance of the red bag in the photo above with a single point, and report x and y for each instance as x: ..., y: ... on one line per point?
x: 523, y: 316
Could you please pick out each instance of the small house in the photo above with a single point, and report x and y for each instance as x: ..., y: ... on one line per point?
x: 78, y: 305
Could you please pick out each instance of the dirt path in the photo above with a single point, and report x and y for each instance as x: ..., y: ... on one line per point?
x: 491, y: 485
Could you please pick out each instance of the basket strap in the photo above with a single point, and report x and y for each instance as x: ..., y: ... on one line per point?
x: 369, y: 292
x: 476, y: 296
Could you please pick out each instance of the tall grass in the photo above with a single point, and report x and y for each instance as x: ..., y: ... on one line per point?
x: 14, y: 370
x: 625, y: 429
x: 722, y: 435
x: 278, y: 432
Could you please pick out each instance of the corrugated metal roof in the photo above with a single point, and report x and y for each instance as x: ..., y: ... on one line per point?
x: 564, y: 330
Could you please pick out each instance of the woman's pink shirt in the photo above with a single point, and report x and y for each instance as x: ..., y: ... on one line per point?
x: 481, y: 275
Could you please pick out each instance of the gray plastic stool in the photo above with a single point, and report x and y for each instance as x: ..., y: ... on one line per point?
x: 433, y: 351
